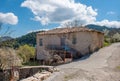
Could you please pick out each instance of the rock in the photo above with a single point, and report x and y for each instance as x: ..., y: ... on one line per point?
x: 38, y: 77
x: 57, y: 59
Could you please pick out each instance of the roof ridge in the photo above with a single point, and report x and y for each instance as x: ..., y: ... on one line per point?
x: 67, y: 30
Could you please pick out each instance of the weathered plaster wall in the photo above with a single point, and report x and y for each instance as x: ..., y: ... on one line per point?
x: 86, y: 42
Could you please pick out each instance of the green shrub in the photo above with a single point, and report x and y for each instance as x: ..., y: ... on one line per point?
x: 26, y: 52
x: 31, y: 63
x: 106, y: 44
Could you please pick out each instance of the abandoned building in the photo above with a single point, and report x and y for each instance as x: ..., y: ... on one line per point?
x: 68, y: 42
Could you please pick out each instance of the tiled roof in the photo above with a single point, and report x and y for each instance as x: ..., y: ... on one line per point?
x: 68, y: 30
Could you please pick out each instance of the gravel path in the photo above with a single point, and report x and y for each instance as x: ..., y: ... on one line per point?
x: 100, y: 66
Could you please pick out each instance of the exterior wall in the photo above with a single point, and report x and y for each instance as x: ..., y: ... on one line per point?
x: 86, y: 42
x: 47, y: 40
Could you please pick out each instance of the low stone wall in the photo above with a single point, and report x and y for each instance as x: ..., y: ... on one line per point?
x: 23, y: 72
x: 5, y: 75
x: 38, y: 77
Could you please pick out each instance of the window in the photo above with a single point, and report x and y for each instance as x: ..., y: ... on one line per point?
x: 41, y: 42
x: 63, y: 41
x: 74, y: 40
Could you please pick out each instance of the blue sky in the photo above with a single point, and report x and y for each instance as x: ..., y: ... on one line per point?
x: 24, y: 16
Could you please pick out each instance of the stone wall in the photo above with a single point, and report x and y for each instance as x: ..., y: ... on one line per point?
x: 24, y: 72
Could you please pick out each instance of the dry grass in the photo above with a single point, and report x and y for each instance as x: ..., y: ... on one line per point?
x: 8, y: 58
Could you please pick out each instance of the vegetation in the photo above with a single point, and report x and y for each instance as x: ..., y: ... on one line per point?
x: 26, y: 52
x: 118, y: 67
x: 10, y: 43
x: 106, y: 44
x: 8, y: 58
x: 112, y: 39
x: 31, y: 63
x: 108, y: 39
x: 29, y: 39
x: 116, y: 37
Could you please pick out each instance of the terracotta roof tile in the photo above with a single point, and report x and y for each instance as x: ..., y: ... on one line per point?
x: 67, y: 30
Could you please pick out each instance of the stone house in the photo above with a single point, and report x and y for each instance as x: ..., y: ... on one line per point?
x: 68, y: 42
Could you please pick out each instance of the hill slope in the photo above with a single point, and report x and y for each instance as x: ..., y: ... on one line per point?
x: 29, y: 39
x: 112, y: 31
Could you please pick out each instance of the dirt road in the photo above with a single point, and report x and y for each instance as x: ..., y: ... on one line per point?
x: 103, y: 65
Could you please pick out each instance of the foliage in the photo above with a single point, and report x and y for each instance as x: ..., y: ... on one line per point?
x: 32, y: 63
x: 107, y: 40
x: 74, y: 23
x: 106, y: 44
x: 26, y: 52
x: 8, y: 58
x: 9, y: 43
x: 29, y: 39
x: 106, y: 32
x: 111, y: 32
x: 116, y: 37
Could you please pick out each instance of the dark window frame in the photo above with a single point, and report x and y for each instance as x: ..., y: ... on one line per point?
x: 74, y: 40
x: 41, y: 42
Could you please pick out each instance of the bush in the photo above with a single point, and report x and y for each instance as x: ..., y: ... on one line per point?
x: 26, y: 52
x: 106, y: 44
x: 8, y: 58
x: 31, y: 63
x: 116, y: 38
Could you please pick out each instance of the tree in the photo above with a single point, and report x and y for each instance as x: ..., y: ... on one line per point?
x: 8, y: 58
x: 12, y: 43
x: 29, y: 39
x: 74, y: 23
x: 6, y: 33
x: 116, y: 37
x: 106, y: 32
x: 26, y: 52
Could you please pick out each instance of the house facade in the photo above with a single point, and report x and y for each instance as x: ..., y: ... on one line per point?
x: 76, y: 41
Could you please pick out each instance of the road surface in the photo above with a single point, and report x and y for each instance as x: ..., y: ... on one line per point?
x: 103, y: 65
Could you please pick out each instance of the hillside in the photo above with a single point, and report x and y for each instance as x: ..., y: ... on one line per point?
x: 29, y: 39
x: 112, y: 31
x: 97, y: 27
x: 5, y: 38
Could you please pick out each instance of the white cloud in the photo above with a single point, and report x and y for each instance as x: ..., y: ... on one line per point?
x: 114, y: 24
x: 110, y: 13
x: 59, y: 11
x: 8, y: 18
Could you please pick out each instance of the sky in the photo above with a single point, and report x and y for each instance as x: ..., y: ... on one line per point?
x: 24, y: 16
